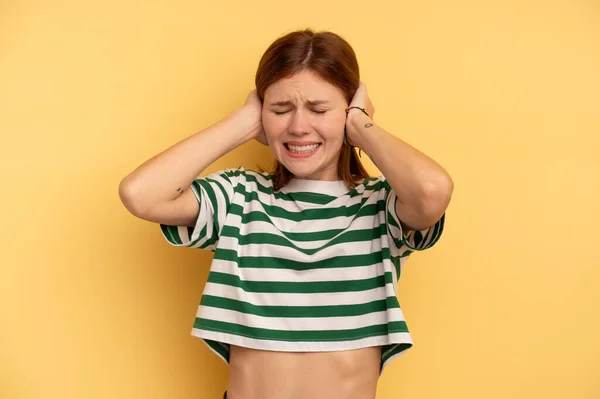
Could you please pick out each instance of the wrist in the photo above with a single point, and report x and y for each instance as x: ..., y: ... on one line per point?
x: 355, y: 126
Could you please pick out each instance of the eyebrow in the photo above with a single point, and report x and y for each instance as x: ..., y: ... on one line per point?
x: 287, y: 102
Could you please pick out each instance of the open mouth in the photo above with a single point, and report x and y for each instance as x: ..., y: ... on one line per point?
x: 301, y: 151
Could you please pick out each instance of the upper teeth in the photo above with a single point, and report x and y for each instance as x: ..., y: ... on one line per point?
x: 303, y: 148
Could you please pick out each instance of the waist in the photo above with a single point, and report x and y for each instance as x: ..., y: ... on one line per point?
x: 260, y: 374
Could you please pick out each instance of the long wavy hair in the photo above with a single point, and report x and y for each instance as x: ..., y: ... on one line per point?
x: 331, y: 58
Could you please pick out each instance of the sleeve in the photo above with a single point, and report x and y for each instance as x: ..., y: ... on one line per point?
x: 417, y: 241
x: 214, y: 193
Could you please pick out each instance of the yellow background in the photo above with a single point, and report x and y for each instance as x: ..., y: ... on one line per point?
x: 506, y: 95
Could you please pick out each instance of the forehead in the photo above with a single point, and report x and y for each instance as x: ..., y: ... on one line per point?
x: 303, y: 86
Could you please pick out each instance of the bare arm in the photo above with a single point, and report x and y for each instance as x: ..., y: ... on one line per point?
x: 422, y: 186
x: 157, y: 190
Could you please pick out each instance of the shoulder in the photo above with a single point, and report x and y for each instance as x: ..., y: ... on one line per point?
x: 374, y: 184
x: 250, y: 179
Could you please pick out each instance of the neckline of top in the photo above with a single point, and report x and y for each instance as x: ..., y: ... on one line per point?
x: 329, y: 187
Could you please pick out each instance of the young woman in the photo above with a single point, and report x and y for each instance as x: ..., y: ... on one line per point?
x: 301, y: 298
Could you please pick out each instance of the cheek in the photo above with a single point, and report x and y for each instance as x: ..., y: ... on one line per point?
x: 273, y: 126
x: 333, y: 128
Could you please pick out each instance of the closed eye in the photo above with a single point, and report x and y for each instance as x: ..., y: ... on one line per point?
x: 284, y: 112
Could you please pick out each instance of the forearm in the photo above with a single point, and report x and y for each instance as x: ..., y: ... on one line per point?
x: 166, y: 175
x: 422, y: 186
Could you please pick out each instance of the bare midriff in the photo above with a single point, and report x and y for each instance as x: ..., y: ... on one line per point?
x: 258, y: 374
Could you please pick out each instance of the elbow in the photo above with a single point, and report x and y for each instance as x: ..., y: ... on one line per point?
x: 432, y: 199
x: 436, y: 198
x: 129, y: 196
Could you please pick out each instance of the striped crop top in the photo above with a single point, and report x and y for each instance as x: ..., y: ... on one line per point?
x: 311, y: 267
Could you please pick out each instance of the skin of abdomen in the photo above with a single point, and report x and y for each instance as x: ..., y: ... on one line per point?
x: 260, y: 374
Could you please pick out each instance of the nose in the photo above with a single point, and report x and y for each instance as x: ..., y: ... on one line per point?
x: 299, y: 123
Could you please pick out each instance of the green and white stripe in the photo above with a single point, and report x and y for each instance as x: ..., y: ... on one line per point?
x: 313, y: 267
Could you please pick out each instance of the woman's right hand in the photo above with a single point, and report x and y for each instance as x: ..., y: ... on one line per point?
x: 254, y: 105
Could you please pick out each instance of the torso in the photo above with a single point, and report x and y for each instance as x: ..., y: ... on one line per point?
x: 301, y: 298
x: 257, y: 374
